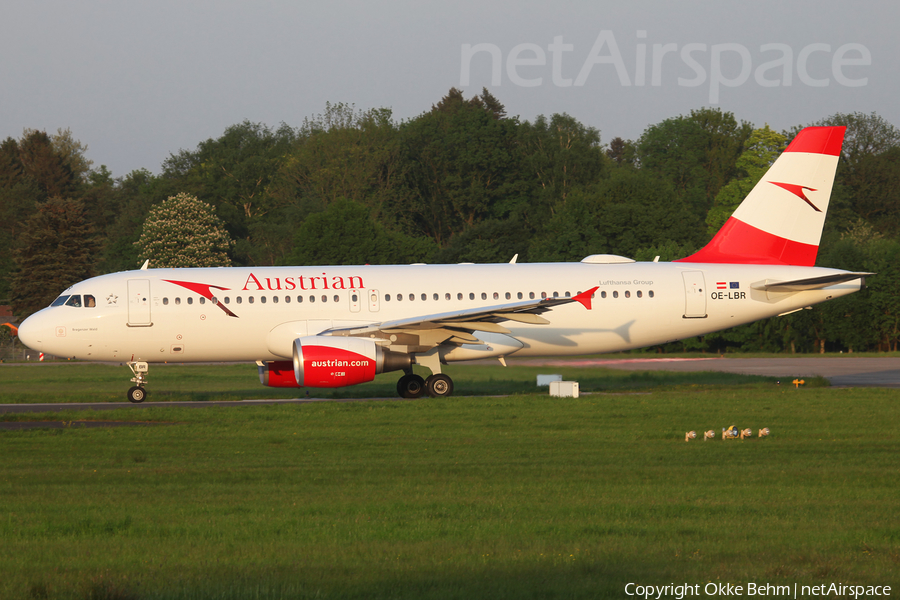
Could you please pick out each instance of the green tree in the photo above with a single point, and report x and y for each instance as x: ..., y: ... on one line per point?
x: 464, y: 166
x: 343, y: 153
x: 72, y: 152
x: 234, y: 174
x: 18, y: 195
x: 345, y: 234
x: 184, y: 232
x: 760, y: 151
x: 562, y: 154
x: 622, y: 214
x: 44, y: 165
x: 133, y: 196
x: 696, y: 154
x: 56, y: 249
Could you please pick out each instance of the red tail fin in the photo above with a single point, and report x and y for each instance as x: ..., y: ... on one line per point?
x: 780, y: 221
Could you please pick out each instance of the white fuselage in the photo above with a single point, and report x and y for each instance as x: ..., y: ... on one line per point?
x: 145, y: 316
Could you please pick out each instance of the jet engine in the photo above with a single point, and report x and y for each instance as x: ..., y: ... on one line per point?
x: 323, y: 361
x: 277, y: 373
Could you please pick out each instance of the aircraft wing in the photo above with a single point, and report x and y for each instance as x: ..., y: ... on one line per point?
x: 427, y: 331
x: 813, y: 283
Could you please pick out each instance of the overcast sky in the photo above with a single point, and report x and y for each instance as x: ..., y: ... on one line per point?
x: 138, y: 80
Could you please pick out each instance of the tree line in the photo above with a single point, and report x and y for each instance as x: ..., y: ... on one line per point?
x: 461, y: 182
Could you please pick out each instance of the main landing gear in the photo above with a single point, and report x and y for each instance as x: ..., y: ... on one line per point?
x: 436, y: 386
x: 137, y: 393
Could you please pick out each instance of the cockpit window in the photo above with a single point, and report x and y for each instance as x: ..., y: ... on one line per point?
x: 74, y: 300
x: 60, y: 301
x: 89, y: 301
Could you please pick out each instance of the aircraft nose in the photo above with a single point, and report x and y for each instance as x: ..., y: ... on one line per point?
x: 32, y: 332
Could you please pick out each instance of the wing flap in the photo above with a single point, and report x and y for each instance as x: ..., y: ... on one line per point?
x: 457, y: 327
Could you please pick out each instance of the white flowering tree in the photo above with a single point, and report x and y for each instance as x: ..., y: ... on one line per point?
x: 184, y: 232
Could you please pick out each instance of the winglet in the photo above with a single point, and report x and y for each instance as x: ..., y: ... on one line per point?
x: 585, y: 297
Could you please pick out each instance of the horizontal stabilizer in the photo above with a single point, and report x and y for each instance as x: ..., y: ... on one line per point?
x: 812, y: 283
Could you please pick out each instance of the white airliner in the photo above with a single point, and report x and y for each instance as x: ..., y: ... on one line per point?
x: 341, y: 325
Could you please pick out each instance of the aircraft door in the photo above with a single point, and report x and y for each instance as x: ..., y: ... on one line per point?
x: 374, y: 302
x: 694, y: 296
x: 139, y: 303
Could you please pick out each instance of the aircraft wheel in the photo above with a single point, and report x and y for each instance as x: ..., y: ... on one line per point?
x: 137, y: 394
x: 410, y: 386
x: 439, y: 386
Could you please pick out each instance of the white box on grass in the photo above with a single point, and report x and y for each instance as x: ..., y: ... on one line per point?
x: 564, y: 389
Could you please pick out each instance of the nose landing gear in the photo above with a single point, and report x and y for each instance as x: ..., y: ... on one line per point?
x: 137, y: 393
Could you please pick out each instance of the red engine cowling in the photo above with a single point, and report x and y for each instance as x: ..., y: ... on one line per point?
x: 322, y: 361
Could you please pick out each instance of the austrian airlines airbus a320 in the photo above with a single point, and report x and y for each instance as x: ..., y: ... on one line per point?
x: 339, y: 326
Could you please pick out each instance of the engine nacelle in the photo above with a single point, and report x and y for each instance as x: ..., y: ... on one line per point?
x: 323, y: 361
x: 278, y: 373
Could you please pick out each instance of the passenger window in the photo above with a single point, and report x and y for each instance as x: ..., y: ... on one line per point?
x: 177, y: 301
x: 299, y: 299
x: 447, y: 296
x: 568, y: 295
x: 165, y: 301
x: 354, y: 298
x: 387, y: 297
x: 249, y: 300
x: 312, y: 298
x: 640, y: 294
x: 239, y: 299
x: 543, y: 295
x: 399, y: 297
x: 287, y: 299
x: 497, y: 296
x: 531, y: 295
x: 412, y: 297
x: 508, y: 296
x: 262, y: 299
x: 650, y: 293
x: 603, y: 294
x: 337, y: 298
x: 202, y: 300
x: 483, y: 296
x: 459, y: 296
x: 519, y: 295
x: 74, y: 301
x: 324, y: 298
x: 627, y: 294
x: 227, y: 300
x: 425, y: 297
x: 90, y: 302
x: 60, y: 301
x: 615, y: 294
x: 274, y: 299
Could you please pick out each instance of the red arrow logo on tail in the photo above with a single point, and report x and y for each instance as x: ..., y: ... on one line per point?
x: 797, y: 190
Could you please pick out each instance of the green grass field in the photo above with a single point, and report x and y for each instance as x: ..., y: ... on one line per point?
x: 520, y: 496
